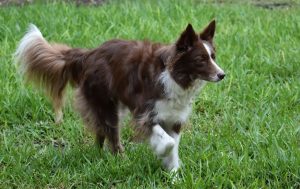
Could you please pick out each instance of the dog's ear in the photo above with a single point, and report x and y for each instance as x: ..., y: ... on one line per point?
x: 208, y: 33
x: 187, y: 39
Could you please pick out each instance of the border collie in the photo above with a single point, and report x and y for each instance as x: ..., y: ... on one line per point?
x: 156, y: 82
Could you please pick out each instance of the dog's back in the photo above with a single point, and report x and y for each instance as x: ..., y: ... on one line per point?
x: 128, y: 69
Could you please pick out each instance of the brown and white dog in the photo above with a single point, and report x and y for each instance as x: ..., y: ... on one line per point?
x: 156, y: 82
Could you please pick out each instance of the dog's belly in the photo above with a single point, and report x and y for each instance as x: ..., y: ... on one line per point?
x: 170, y: 112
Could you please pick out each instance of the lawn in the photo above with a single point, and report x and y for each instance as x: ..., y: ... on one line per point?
x: 244, y: 131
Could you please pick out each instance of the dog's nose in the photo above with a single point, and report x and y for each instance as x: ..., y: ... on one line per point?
x: 221, y: 75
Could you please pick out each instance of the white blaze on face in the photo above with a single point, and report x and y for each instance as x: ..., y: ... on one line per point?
x: 214, y: 76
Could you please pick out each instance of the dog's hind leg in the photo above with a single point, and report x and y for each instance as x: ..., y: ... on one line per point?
x: 100, y: 138
x: 100, y: 113
x: 107, y: 127
x: 58, y: 100
x: 58, y: 106
x: 113, y: 136
x: 57, y: 95
x: 107, y: 123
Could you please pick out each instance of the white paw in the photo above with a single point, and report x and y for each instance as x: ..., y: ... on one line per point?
x: 58, y: 117
x: 161, y: 142
x: 171, y: 163
x: 165, y: 147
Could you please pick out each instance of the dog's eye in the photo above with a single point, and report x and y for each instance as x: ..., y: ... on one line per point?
x: 200, y: 63
x: 201, y: 58
x: 213, y: 56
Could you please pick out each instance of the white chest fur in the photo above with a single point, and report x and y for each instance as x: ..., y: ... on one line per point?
x: 178, y: 106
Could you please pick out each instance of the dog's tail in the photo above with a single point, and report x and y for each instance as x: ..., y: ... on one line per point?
x: 49, y: 66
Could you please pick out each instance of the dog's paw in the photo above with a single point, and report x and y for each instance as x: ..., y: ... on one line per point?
x: 58, y: 117
x: 118, y: 149
x: 171, y: 164
x: 164, y: 146
x: 161, y: 142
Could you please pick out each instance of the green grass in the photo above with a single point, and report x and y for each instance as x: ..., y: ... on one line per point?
x: 244, y: 131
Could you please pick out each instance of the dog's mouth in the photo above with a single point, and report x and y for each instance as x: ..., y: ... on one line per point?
x: 212, y: 78
x: 218, y: 77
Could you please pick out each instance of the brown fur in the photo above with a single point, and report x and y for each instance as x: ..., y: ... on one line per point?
x: 117, y: 73
x: 43, y: 64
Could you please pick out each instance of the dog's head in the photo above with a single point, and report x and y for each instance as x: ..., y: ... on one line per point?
x: 195, y: 56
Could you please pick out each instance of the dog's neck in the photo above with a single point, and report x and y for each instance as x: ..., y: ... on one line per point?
x: 165, y: 53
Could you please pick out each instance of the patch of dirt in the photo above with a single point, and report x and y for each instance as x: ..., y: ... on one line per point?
x: 24, y: 2
x: 274, y: 5
x: 14, y: 2
x: 89, y: 2
x: 266, y: 4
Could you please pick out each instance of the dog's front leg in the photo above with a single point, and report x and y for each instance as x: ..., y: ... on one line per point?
x: 161, y: 143
x: 171, y: 161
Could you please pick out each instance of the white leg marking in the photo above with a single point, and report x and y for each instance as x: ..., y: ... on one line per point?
x: 171, y: 162
x: 58, y: 116
x: 161, y: 142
